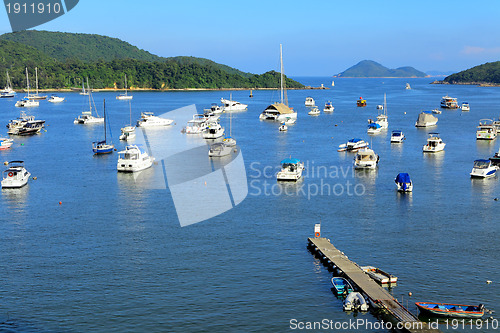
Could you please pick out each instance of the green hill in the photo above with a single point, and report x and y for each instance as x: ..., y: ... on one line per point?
x: 485, y: 73
x: 370, y: 68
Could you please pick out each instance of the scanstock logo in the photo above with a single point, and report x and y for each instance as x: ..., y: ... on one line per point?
x: 201, y: 187
x: 28, y: 14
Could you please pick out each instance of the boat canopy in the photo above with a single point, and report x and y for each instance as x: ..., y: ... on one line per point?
x: 355, y: 140
x: 403, y: 178
x: 290, y: 161
x: 397, y: 133
x: 374, y: 125
x: 425, y: 117
x: 280, y: 108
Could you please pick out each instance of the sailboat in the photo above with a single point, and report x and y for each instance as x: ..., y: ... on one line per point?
x: 103, y: 147
x: 125, y: 96
x: 128, y: 132
x: 229, y: 140
x: 7, y: 91
x: 27, y: 101
x: 279, y: 111
x: 333, y: 83
x: 85, y: 93
x: 87, y: 117
x: 37, y: 96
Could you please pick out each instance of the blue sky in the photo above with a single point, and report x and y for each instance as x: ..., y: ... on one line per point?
x: 319, y: 38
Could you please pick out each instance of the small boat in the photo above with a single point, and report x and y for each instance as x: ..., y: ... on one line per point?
x: 5, y: 143
x: 483, y: 169
x: 7, y: 95
x: 341, y: 286
x: 380, y: 107
x: 314, y: 111
x: 408, y: 86
x: 103, y: 147
x: 7, y: 91
x: 133, y: 159
x: 16, y: 175
x: 403, y: 182
x: 374, y: 128
x: 451, y: 310
x: 55, y: 99
x: 310, y: 101
x: 361, y: 102
x: 495, y: 160
x: 215, y: 109
x: 496, y: 123
x: 382, y: 118
x: 219, y: 149
x: 353, y: 145
x: 283, y: 127
x: 333, y: 83
x: 87, y: 117
x: 228, y: 105
x: 328, y: 107
x: 465, y: 107
x: 434, y: 144
x: 213, y: 131
x: 290, y: 121
x: 448, y: 102
x: 128, y: 133
x: 397, y: 137
x: 486, y: 130
x: 229, y: 140
x: 355, y: 301
x: 380, y: 276
x: 196, y: 125
x: 437, y: 111
x: 366, y: 159
x: 36, y: 95
x: 125, y: 96
x: 27, y: 101
x: 291, y: 170
x: 148, y: 119
x: 426, y: 119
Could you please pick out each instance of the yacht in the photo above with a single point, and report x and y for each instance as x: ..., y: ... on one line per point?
x: 448, y: 102
x: 279, y: 111
x: 125, y: 96
x: 291, y: 170
x: 382, y: 118
x: 283, y: 127
x: 16, y: 175
x: 196, y: 125
x: 5, y: 143
x: 483, y: 169
x: 55, y: 99
x: 219, y: 149
x: 361, y: 102
x: 374, y: 128
x: 133, y: 159
x: 88, y: 117
x: 25, y: 125
x: 7, y: 95
x: 403, y: 182
x: 397, y: 137
x: 328, y: 107
x: 309, y: 101
x: 213, y: 131
x: 434, y: 144
x: 128, y: 133
x: 148, y: 119
x: 486, y: 130
x: 314, y: 111
x: 27, y: 103
x: 228, y: 105
x: 215, y: 109
x: 353, y: 145
x: 426, y: 119
x: 366, y: 159
x: 465, y: 107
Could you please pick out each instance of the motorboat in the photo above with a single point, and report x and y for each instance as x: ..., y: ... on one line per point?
x: 7, y: 95
x: 496, y: 123
x: 366, y: 159
x: 209, y: 116
x: 290, y: 121
x: 25, y: 125
x: 407, y: 87
x: 382, y: 118
x: 341, y: 286
x: 5, y: 143
x: 328, y: 107
x: 451, y: 310
x: 380, y: 276
x: 434, y: 144
x: 310, y: 101
x: 486, y: 130
x: 361, y: 102
x: 353, y: 145
x: 196, y: 125
x: 216, y: 109
x: 448, y: 102
x: 16, y: 175
x: 148, y: 119
x: 495, y: 160
x: 283, y: 127
x: 465, y: 107
x: 228, y: 105
x: 128, y: 133
x: 103, y: 147
x: 426, y: 119
x: 437, y: 111
x: 133, y: 159
x: 403, y: 182
x: 219, y: 149
x: 55, y: 99
x: 374, y: 128
x: 229, y: 141
x: 314, y: 111
x: 88, y: 117
x: 291, y: 170
x: 125, y: 96
x: 483, y: 169
x: 27, y: 103
x: 355, y: 301
x: 397, y: 136
x: 213, y: 131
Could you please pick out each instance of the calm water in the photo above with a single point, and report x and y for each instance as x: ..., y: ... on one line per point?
x: 113, y: 257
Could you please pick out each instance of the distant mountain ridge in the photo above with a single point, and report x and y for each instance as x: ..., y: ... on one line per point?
x: 370, y: 68
x: 488, y: 73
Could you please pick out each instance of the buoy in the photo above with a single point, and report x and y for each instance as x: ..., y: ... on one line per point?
x: 60, y: 202
x: 5, y: 163
x: 496, y: 199
x: 205, y: 183
x: 115, y: 149
x: 488, y: 281
x: 35, y: 178
x: 405, y: 112
x: 22, y: 144
x: 409, y: 294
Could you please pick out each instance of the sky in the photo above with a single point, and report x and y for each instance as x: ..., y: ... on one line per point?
x: 320, y: 38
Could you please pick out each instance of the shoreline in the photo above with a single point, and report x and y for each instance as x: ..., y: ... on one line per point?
x: 165, y: 90
x: 479, y: 84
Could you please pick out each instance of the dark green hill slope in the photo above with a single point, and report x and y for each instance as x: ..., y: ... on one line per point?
x: 485, y: 73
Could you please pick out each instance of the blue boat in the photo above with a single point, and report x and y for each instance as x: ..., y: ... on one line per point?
x: 451, y: 310
x: 102, y: 147
x: 341, y: 286
x: 403, y: 182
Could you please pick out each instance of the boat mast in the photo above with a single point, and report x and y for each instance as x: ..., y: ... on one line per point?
x: 385, y: 105
x: 88, y: 92
x: 125, y: 84
x: 104, y: 107
x: 281, y: 71
x: 36, y: 79
x: 28, y: 81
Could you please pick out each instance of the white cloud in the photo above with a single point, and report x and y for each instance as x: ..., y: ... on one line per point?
x: 476, y: 50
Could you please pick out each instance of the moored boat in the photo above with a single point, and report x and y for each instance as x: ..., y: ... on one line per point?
x: 310, y: 101
x: 219, y: 149
x: 426, y: 119
x: 341, y: 285
x: 486, y: 130
x: 353, y: 145
x: 361, y: 102
x: 55, y: 99
x: 495, y: 160
x: 465, y: 107
x: 403, y: 182
x: 283, y: 127
x: 483, y: 169
x: 366, y: 159
x: 434, y: 144
x: 5, y: 143
x: 133, y: 159
x: 314, y: 111
x: 451, y: 310
x: 374, y: 128
x: 355, y: 301
x: 228, y: 105
x: 16, y: 175
x: 328, y: 107
x: 148, y: 119
x: 291, y: 170
x: 448, y: 102
x: 380, y: 276
x: 397, y: 136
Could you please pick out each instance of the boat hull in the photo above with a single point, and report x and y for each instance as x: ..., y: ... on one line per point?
x: 447, y: 310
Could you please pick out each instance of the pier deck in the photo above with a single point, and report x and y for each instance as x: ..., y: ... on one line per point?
x: 376, y: 294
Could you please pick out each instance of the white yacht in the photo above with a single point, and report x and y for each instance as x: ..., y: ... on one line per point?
x: 219, y: 149
x: 55, y: 99
x: 27, y: 103
x: 291, y: 170
x: 133, y: 159
x: 382, y: 118
x: 196, y: 125
x: 366, y: 159
x: 16, y: 175
x: 125, y: 96
x: 328, y: 107
x: 215, y: 109
x: 486, y: 130
x: 5, y: 143
x: 279, y: 111
x: 314, y: 111
x: 283, y: 127
x: 397, y: 137
x: 213, y: 131
x: 148, y: 119
x: 403, y: 182
x: 25, y: 125
x: 128, y: 133
x: 483, y: 169
x: 310, y: 101
x: 448, y: 102
x: 88, y: 117
x: 353, y: 145
x: 465, y: 107
x: 228, y: 105
x: 426, y: 119
x: 434, y: 144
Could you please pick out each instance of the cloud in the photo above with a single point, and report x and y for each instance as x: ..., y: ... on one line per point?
x: 476, y: 50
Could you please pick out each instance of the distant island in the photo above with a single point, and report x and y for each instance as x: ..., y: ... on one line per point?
x: 487, y: 74
x: 370, y: 68
x: 64, y: 60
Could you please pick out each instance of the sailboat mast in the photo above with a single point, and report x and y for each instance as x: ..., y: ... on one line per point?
x: 28, y: 81
x: 385, y: 105
x: 104, y: 107
x: 36, y: 79
x: 281, y: 71
x: 125, y: 84
x: 88, y: 93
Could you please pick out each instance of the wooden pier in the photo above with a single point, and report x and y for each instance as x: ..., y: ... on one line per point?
x: 376, y: 295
